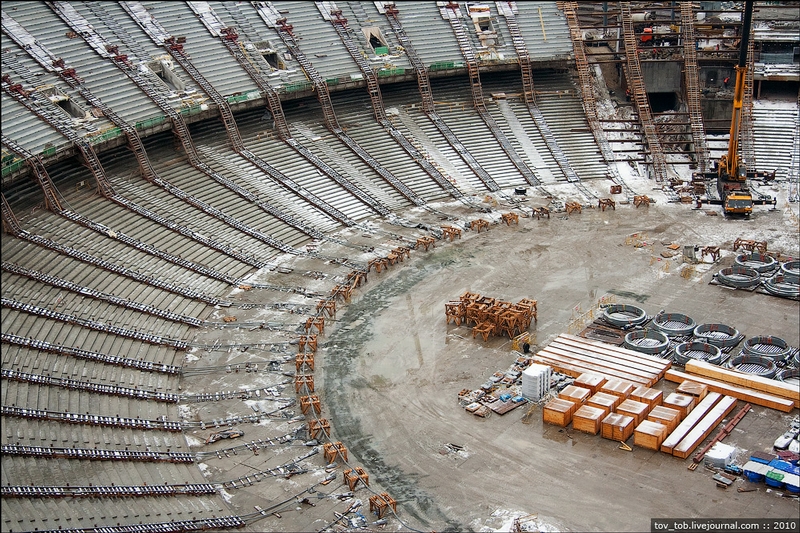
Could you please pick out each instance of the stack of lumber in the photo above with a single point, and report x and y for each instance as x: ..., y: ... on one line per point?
x: 750, y: 381
x: 698, y: 425
x: 574, y: 356
x: 734, y: 385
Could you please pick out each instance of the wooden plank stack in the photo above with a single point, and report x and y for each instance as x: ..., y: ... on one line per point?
x: 574, y: 356
x: 749, y: 381
x: 749, y: 395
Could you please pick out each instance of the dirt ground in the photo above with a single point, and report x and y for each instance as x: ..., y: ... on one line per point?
x: 389, y: 370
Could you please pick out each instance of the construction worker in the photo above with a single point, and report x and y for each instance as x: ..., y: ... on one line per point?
x: 726, y: 81
x: 628, y: 95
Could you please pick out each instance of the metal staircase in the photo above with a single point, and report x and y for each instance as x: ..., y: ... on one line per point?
x: 693, y: 86
x: 10, y: 221
x: 452, y: 13
x: 51, y: 200
x: 633, y: 72
x: 275, y: 21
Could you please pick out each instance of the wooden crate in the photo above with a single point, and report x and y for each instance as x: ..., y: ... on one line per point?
x: 665, y: 415
x: 649, y: 435
x: 618, y: 387
x: 693, y: 388
x: 638, y: 410
x: 651, y: 397
x: 587, y: 419
x: 617, y: 427
x: 593, y: 382
x: 608, y: 402
x: 681, y: 402
x: 558, y: 412
x: 576, y: 395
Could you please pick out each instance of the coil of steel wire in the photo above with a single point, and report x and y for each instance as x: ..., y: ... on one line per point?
x: 700, y: 351
x: 780, y: 285
x: 674, y: 324
x: 759, y: 262
x: 718, y: 335
x: 740, y: 277
x: 767, y: 346
x: 791, y: 271
x: 753, y: 364
x: 624, y: 315
x: 647, y: 341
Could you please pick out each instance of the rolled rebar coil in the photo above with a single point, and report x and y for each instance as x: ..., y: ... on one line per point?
x: 718, y: 334
x: 791, y: 271
x: 780, y: 285
x: 674, y: 324
x: 624, y: 315
x: 789, y: 375
x: 753, y: 364
x: 767, y: 346
x: 739, y: 276
x: 647, y: 341
x: 795, y: 362
x: 698, y: 350
x: 759, y: 262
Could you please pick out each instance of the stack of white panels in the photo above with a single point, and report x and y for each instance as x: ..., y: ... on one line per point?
x: 536, y: 381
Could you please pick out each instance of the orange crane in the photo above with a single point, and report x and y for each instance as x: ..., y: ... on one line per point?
x: 731, y: 173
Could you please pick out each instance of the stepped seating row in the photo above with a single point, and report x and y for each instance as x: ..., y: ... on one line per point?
x: 775, y: 146
x: 96, y: 420
x: 56, y: 399
x: 96, y: 276
x: 72, y: 384
x: 93, y: 454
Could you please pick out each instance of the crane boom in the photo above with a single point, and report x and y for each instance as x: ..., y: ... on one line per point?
x: 731, y: 171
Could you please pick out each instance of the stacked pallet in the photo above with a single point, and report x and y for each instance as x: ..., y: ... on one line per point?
x: 698, y: 424
x: 574, y: 356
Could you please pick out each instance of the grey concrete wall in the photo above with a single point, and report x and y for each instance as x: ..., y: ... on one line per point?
x: 662, y: 76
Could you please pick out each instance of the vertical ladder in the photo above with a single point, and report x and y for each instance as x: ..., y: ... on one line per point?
x: 633, y: 73
x: 690, y: 70
x: 452, y: 13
